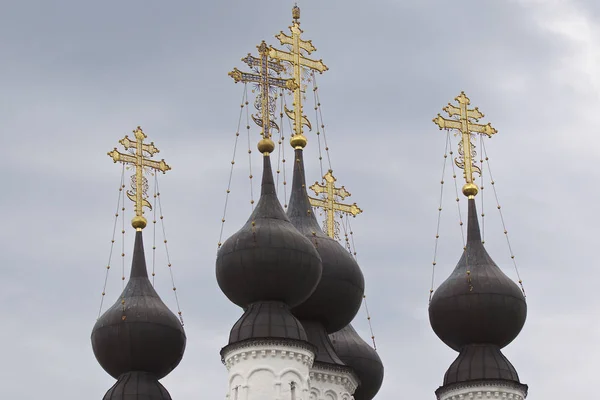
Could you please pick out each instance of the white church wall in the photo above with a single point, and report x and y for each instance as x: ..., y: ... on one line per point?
x: 263, y: 370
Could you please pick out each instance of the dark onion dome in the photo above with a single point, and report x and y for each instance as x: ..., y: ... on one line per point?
x: 268, y: 259
x: 137, y: 385
x: 477, y: 304
x: 267, y: 320
x: 362, y: 358
x: 480, y: 362
x: 141, y: 334
x: 339, y: 294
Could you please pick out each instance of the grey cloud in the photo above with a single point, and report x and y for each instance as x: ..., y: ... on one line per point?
x: 77, y: 76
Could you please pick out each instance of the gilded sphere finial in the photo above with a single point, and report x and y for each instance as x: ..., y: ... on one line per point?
x: 470, y: 190
x: 139, y: 222
x: 266, y: 146
x: 298, y: 141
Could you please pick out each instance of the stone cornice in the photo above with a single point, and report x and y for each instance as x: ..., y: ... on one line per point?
x: 337, y: 374
x: 479, y: 389
x: 262, y: 349
x: 268, y: 342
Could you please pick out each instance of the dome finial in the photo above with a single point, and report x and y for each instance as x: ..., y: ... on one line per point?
x: 139, y: 159
x: 466, y: 125
x: 330, y: 203
x: 296, y: 57
x: 266, y: 66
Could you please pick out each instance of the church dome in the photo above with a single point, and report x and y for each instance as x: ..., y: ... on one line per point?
x: 480, y: 362
x: 478, y: 303
x: 267, y: 320
x: 137, y: 385
x: 362, y: 358
x: 139, y: 332
x: 338, y: 295
x: 268, y: 259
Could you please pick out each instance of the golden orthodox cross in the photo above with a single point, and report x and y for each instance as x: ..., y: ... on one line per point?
x: 466, y: 149
x: 265, y: 65
x: 329, y: 203
x: 296, y: 58
x: 138, y: 159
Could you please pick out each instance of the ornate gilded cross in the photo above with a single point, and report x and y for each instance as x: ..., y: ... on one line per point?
x: 265, y: 66
x: 139, y: 183
x: 466, y: 149
x: 296, y: 58
x: 329, y: 203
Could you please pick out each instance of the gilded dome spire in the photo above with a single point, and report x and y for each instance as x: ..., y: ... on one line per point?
x: 124, y: 338
x: 477, y: 310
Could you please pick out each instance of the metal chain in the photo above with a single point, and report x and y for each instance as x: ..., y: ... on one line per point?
x: 249, y: 153
x: 354, y: 254
x: 493, y: 183
x: 279, y: 142
x: 320, y: 123
x: 281, y: 156
x: 112, y: 241
x: 162, y: 223
x: 237, y: 135
x: 481, y: 191
x: 154, y: 232
x: 462, y: 232
x: 318, y: 130
x: 437, y: 233
x: 123, y: 254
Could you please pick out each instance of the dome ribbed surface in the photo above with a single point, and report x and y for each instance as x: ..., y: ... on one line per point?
x: 143, y: 335
x: 268, y: 259
x: 317, y: 336
x: 267, y: 320
x: 137, y: 386
x: 488, y: 309
x: 362, y: 358
x: 480, y: 362
x: 338, y: 295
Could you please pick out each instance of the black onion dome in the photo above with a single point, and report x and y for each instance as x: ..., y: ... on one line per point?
x: 268, y: 259
x: 141, y: 335
x: 480, y: 362
x: 267, y: 320
x: 362, y: 358
x: 137, y: 386
x: 490, y: 309
x: 339, y: 294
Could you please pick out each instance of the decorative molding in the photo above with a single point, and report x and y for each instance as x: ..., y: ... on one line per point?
x: 334, y: 375
x: 242, y: 354
x: 250, y: 343
x: 483, y: 389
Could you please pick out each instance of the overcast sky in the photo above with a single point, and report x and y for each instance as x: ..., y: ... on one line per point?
x: 76, y: 76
